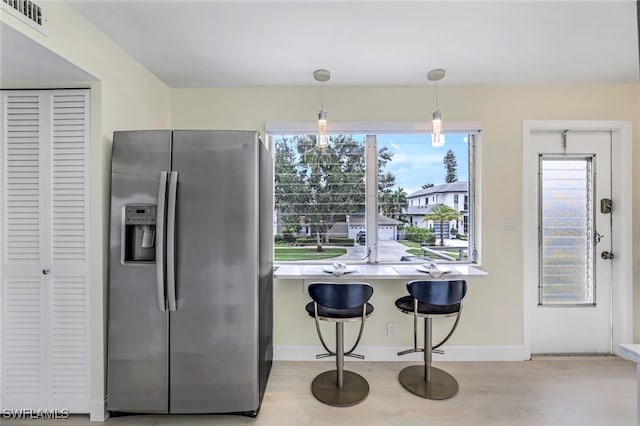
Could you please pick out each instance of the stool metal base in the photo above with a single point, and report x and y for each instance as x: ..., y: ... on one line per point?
x: 441, y: 386
x: 354, y: 390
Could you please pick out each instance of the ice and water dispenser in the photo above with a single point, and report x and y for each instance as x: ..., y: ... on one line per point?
x: 139, y: 233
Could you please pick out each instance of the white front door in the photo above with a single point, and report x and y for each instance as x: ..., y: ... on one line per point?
x: 573, y: 303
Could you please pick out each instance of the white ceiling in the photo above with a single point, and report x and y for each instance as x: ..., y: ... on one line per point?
x: 265, y: 43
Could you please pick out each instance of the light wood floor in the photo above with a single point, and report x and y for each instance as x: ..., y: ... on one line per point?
x: 567, y: 391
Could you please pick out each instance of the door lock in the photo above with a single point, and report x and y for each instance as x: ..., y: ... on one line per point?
x: 606, y: 255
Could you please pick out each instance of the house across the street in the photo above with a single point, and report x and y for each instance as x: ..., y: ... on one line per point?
x: 387, y: 227
x: 454, y: 195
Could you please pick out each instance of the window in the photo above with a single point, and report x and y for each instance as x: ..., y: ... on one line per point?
x: 319, y: 197
x: 366, y: 197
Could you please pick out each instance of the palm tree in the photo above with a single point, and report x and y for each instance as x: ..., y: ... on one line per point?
x: 392, y: 204
x: 442, y: 213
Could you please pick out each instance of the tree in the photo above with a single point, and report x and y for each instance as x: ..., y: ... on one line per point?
x: 392, y: 203
x: 442, y: 213
x: 427, y: 185
x: 319, y: 187
x: 451, y: 166
x: 386, y: 180
x: 290, y: 189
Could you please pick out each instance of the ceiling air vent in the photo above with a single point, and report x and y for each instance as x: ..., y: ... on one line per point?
x: 27, y: 10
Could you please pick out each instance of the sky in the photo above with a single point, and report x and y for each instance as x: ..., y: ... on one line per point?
x: 415, y: 162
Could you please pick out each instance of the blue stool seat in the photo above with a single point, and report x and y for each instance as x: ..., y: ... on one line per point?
x: 428, y: 300
x: 333, y: 313
x: 340, y: 303
x: 406, y: 305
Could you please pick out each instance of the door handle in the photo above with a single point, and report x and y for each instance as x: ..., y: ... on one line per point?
x: 171, y: 241
x: 160, y: 250
x: 45, y: 271
x: 606, y: 255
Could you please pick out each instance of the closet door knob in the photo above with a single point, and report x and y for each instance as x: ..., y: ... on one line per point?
x: 45, y: 271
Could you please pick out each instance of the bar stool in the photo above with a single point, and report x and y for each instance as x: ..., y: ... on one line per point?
x: 428, y: 300
x: 340, y: 303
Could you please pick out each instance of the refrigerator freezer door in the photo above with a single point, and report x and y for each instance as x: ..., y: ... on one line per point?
x: 214, y: 331
x: 137, y: 360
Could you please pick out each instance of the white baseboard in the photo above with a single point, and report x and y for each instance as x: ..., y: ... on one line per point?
x: 98, y: 411
x: 390, y: 353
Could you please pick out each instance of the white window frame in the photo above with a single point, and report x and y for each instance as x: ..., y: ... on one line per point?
x: 389, y: 127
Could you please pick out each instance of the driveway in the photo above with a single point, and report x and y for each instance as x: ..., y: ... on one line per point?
x: 388, y: 251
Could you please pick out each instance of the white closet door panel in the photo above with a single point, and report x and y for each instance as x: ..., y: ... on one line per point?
x: 22, y: 172
x: 69, y: 375
x: 23, y: 380
x: 69, y: 178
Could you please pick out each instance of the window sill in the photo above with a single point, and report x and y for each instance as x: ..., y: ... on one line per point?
x: 316, y: 271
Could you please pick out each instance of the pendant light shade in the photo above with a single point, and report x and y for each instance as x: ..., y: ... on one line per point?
x: 437, y: 136
x: 322, y: 140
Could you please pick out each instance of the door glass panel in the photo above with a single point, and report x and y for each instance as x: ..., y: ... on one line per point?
x: 566, y: 231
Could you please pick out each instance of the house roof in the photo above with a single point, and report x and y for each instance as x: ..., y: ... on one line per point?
x: 339, y: 228
x: 439, y: 189
x: 359, y: 219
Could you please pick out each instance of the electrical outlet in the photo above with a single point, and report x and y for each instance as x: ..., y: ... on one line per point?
x: 391, y: 329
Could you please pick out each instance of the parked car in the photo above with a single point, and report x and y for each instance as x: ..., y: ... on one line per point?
x: 361, y: 238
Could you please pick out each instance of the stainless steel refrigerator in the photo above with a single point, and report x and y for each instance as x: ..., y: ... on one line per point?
x: 191, y: 272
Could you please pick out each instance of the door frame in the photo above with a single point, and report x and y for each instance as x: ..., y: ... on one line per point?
x: 621, y: 156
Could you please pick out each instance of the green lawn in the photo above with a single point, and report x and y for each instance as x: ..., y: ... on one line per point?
x: 306, y: 253
x: 410, y: 244
x: 416, y: 250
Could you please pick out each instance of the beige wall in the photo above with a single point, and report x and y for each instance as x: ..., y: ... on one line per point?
x: 494, y: 306
x: 124, y: 95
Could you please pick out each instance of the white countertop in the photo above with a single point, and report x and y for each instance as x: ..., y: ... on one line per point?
x: 370, y: 271
x: 631, y: 353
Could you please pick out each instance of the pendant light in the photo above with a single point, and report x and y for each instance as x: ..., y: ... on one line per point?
x: 323, y: 140
x: 437, y: 138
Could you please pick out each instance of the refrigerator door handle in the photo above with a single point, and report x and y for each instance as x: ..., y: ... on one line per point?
x: 160, y: 247
x: 171, y: 241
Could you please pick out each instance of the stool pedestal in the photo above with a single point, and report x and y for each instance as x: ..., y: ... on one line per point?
x: 441, y: 386
x: 354, y: 388
x: 427, y: 381
x: 339, y: 387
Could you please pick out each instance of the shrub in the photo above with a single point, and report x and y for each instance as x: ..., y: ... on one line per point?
x: 342, y: 241
x: 306, y: 240
x: 420, y: 235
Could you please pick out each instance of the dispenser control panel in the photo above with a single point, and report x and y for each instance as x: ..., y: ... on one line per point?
x: 140, y: 215
x: 139, y: 233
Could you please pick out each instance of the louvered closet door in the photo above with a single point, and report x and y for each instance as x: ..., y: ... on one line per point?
x: 44, y: 353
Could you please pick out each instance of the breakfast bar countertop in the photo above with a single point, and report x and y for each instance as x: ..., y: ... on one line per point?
x: 368, y: 271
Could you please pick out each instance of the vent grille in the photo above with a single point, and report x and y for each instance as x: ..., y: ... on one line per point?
x: 27, y: 8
